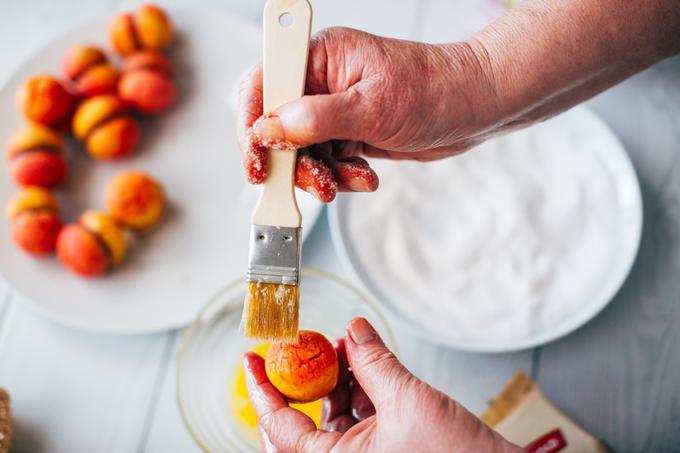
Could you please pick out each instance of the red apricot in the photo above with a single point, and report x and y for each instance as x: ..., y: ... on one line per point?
x: 303, y: 371
x: 146, y: 83
x: 36, y: 157
x: 104, y: 124
x: 149, y: 27
x: 136, y: 200
x: 44, y: 100
x: 92, y: 246
x: 35, y: 220
x: 89, y: 71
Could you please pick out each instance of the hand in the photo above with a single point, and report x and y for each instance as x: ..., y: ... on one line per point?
x: 380, y: 407
x: 367, y: 96
x: 372, y: 96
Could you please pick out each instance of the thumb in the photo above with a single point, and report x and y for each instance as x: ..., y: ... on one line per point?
x: 374, y: 366
x: 311, y: 119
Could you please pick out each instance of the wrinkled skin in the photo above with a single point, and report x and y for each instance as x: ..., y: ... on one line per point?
x: 378, y: 97
x: 368, y: 410
x: 368, y: 96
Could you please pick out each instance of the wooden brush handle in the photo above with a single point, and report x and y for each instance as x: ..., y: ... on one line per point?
x: 284, y: 72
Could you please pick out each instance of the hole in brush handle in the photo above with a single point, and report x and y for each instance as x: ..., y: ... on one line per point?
x: 286, y: 19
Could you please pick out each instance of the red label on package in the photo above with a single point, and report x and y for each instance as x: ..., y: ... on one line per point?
x: 548, y: 443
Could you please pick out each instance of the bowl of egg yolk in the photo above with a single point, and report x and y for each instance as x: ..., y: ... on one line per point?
x: 211, y: 384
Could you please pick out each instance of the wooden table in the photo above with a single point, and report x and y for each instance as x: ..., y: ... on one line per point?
x: 619, y: 376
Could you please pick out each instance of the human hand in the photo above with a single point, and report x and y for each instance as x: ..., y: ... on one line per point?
x: 373, y: 96
x: 379, y: 406
x: 367, y: 96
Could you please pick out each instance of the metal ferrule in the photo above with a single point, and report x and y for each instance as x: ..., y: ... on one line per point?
x: 274, y: 254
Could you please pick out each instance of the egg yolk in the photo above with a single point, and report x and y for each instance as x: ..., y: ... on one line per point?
x: 243, y: 411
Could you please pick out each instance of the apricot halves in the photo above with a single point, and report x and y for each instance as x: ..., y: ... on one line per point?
x: 146, y: 83
x: 104, y: 124
x: 89, y: 71
x: 136, y: 200
x: 34, y: 215
x: 44, y: 100
x: 36, y: 157
x: 92, y: 246
x: 149, y: 27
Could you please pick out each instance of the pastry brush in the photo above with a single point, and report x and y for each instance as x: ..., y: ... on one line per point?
x: 272, y: 299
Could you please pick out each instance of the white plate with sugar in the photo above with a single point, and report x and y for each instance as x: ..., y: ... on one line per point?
x: 511, y: 245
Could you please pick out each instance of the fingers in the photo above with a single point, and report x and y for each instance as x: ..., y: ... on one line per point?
x: 348, y: 403
x: 374, y: 366
x: 335, y: 408
x: 361, y: 405
x: 353, y: 174
x: 313, y: 119
x: 323, y: 176
x: 249, y: 105
x: 344, y: 374
x: 313, y: 176
x: 282, y: 427
x: 255, y: 163
x: 250, y: 109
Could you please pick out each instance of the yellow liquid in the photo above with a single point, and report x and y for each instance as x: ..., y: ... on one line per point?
x: 243, y: 411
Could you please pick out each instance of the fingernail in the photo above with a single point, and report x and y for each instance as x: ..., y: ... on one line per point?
x: 359, y: 185
x: 361, y: 331
x: 269, y: 128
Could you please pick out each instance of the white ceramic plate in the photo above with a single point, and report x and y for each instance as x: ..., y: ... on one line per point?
x: 202, y: 244
x: 593, y: 134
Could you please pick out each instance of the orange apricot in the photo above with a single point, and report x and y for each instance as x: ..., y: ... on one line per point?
x: 136, y: 200
x: 44, y: 100
x: 149, y: 27
x: 303, y: 371
x: 93, y: 245
x: 36, y: 157
x: 90, y: 72
x: 34, y: 215
x: 146, y: 83
x: 104, y: 124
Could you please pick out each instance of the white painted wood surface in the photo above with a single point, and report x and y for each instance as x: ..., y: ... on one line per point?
x: 76, y: 392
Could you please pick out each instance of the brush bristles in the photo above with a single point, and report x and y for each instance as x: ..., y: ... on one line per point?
x: 270, y: 311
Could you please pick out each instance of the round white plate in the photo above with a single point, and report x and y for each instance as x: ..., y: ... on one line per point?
x: 593, y: 134
x: 202, y: 244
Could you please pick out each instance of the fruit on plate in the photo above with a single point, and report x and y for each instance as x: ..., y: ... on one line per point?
x: 89, y: 71
x: 147, y: 83
x: 36, y: 157
x: 34, y: 215
x: 303, y: 371
x: 149, y: 27
x: 136, y: 200
x: 106, y: 126
x: 92, y: 246
x: 42, y: 99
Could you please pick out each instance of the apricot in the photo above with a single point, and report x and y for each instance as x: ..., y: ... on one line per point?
x: 36, y: 157
x: 106, y: 127
x: 93, y: 245
x: 149, y: 27
x: 303, y: 371
x: 34, y: 214
x: 44, y: 100
x: 136, y: 200
x: 90, y: 72
x: 146, y: 83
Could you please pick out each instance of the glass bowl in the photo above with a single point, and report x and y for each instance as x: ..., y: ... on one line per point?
x: 212, y: 346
